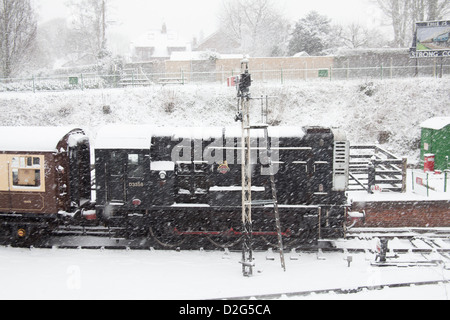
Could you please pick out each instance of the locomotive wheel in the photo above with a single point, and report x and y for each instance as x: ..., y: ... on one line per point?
x: 221, y: 241
x: 167, y: 239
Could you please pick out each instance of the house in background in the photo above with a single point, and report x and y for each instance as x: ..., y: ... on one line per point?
x: 219, y: 42
x: 157, y: 45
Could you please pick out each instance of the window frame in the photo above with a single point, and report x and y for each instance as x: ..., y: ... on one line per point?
x: 18, y: 162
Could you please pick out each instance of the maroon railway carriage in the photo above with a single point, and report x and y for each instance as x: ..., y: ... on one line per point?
x: 44, y: 175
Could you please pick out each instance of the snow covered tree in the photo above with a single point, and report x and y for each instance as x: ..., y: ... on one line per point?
x: 17, y: 34
x: 312, y: 34
x: 256, y: 25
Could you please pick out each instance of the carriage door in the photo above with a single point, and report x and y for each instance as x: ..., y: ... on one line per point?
x: 136, y: 164
x: 116, y: 178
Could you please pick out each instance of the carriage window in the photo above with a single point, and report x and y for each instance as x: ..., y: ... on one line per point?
x: 26, y: 171
x: 135, y: 166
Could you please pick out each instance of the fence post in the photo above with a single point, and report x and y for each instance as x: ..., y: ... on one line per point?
x: 82, y: 83
x: 445, y: 180
x: 404, y: 173
x: 381, y: 71
x: 34, y: 87
x: 371, y: 177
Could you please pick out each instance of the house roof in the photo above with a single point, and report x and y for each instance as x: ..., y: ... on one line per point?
x: 160, y: 41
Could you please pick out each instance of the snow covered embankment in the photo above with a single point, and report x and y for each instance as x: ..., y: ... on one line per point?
x: 364, y: 109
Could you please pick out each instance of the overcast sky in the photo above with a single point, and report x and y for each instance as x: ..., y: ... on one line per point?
x: 191, y: 17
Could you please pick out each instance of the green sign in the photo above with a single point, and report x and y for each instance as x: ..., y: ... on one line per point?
x: 73, y: 80
x: 323, y: 73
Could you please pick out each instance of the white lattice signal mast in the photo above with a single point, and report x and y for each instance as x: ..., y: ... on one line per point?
x: 243, y: 115
x: 243, y: 84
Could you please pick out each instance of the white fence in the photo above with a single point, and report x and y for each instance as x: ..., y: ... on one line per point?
x: 136, y: 77
x: 429, y: 183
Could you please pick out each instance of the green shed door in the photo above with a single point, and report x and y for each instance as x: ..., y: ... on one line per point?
x: 436, y: 142
x: 426, y: 145
x: 441, y: 147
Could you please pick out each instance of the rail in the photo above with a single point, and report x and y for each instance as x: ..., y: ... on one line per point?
x: 375, y: 169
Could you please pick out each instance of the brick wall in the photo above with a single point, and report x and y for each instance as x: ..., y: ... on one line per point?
x: 405, y: 214
x: 276, y: 68
x: 261, y: 68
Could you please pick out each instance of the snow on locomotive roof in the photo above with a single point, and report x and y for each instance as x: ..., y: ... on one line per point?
x: 35, y: 139
x: 275, y: 132
x: 124, y: 137
x: 139, y: 136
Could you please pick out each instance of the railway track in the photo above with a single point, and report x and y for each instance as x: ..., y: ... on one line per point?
x: 339, y: 291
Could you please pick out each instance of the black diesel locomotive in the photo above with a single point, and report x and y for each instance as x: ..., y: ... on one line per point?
x: 176, y: 184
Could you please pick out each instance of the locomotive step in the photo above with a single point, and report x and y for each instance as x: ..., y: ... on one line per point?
x: 257, y: 126
x: 262, y: 202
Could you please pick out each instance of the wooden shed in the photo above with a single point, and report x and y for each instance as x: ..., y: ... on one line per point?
x: 436, y: 140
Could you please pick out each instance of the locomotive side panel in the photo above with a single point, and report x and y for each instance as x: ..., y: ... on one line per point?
x: 185, y: 185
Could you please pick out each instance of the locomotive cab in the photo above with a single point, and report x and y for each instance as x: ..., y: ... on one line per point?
x: 122, y: 161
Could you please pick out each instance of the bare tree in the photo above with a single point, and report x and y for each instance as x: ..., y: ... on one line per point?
x: 89, y: 21
x: 437, y: 9
x: 255, y: 24
x: 17, y: 34
x: 354, y: 36
x: 398, y: 11
x: 405, y: 13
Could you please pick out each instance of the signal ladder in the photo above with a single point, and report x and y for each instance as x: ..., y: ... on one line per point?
x: 247, y: 203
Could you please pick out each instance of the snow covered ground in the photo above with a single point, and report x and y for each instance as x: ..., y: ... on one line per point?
x: 396, y: 106
x: 192, y: 275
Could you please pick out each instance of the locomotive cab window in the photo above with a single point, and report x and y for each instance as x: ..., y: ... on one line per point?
x: 135, y: 166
